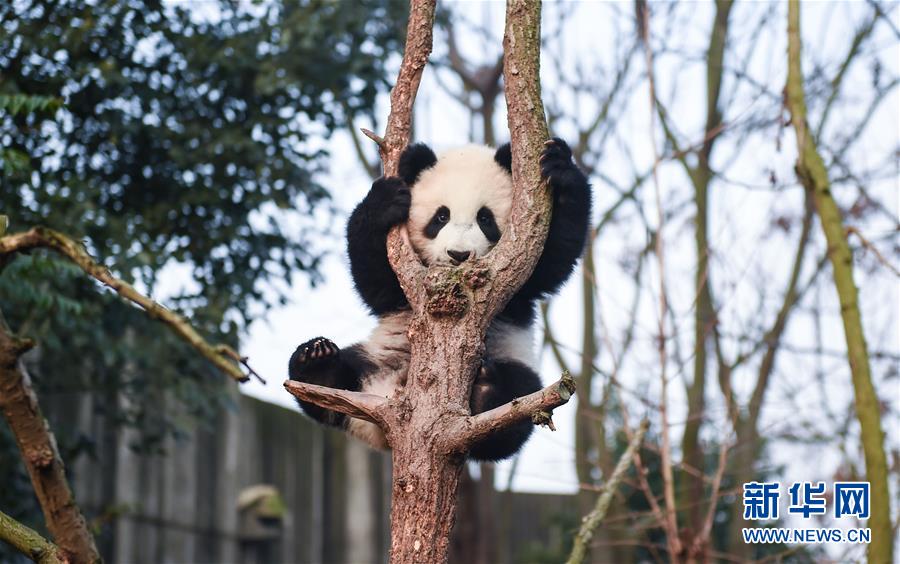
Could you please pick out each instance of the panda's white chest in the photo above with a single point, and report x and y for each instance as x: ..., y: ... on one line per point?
x: 388, y: 347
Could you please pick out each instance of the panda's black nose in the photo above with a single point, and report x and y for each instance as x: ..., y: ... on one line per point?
x: 459, y: 256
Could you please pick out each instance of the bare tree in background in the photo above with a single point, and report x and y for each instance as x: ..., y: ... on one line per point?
x: 747, y: 381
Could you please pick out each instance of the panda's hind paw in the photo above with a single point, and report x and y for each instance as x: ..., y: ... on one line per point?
x: 313, y: 352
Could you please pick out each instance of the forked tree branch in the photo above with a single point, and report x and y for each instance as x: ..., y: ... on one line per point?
x: 27, y: 541
x: 492, y: 280
x: 223, y: 356
x: 355, y: 404
x: 538, y: 406
x: 40, y: 455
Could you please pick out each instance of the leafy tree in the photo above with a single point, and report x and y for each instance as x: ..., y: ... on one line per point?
x: 187, y: 135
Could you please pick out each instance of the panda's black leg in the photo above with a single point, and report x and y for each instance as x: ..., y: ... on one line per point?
x: 499, y: 382
x: 320, y: 362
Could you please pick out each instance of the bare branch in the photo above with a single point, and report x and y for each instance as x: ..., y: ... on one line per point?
x: 538, y: 406
x: 40, y: 454
x: 704, y: 535
x: 592, y: 520
x: 28, y: 541
x: 223, y: 356
x: 515, y: 256
x: 868, y: 245
x: 374, y: 137
x: 355, y: 404
x: 671, y: 517
x: 419, y: 34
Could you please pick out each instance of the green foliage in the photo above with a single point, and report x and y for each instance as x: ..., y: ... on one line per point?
x: 183, y: 135
x: 184, y: 132
x: 21, y: 104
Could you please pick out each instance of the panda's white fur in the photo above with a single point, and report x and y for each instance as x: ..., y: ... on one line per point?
x: 464, y: 180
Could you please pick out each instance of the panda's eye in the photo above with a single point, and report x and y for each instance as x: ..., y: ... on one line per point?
x: 442, y: 215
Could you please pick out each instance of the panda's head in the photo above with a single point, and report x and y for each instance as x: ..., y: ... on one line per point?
x: 460, y: 201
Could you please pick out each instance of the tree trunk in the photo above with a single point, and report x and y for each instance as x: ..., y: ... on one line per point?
x: 814, y: 176
x: 41, y: 456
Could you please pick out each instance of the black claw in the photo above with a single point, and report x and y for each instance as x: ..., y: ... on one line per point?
x: 313, y: 351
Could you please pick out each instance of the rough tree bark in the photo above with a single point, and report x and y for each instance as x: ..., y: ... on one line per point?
x: 428, y: 426
x: 40, y: 455
x: 814, y: 176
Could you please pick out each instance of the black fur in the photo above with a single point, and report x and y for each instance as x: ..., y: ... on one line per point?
x: 414, y: 160
x: 568, y: 222
x: 503, y: 157
x: 438, y: 221
x: 488, y: 224
x: 499, y: 382
x: 320, y: 362
x: 386, y: 205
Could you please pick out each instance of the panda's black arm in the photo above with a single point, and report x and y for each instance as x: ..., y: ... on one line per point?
x: 386, y: 205
x: 568, y: 223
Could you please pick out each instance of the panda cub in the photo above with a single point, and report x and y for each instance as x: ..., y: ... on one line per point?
x: 456, y: 208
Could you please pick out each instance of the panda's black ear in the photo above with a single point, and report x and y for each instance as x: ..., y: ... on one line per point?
x: 414, y: 159
x: 503, y: 157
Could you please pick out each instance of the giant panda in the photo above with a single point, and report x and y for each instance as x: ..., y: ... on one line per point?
x: 455, y: 207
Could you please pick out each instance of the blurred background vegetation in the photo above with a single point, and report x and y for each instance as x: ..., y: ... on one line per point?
x: 165, y: 138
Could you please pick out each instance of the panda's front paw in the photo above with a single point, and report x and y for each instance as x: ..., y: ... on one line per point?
x: 312, y: 354
x: 557, y: 166
x: 390, y: 199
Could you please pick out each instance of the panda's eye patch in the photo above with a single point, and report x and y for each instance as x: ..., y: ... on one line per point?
x: 437, y: 222
x: 488, y: 224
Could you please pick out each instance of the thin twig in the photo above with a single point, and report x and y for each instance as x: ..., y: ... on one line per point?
x: 671, y: 520
x: 868, y: 245
x: 373, y: 136
x: 592, y: 520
